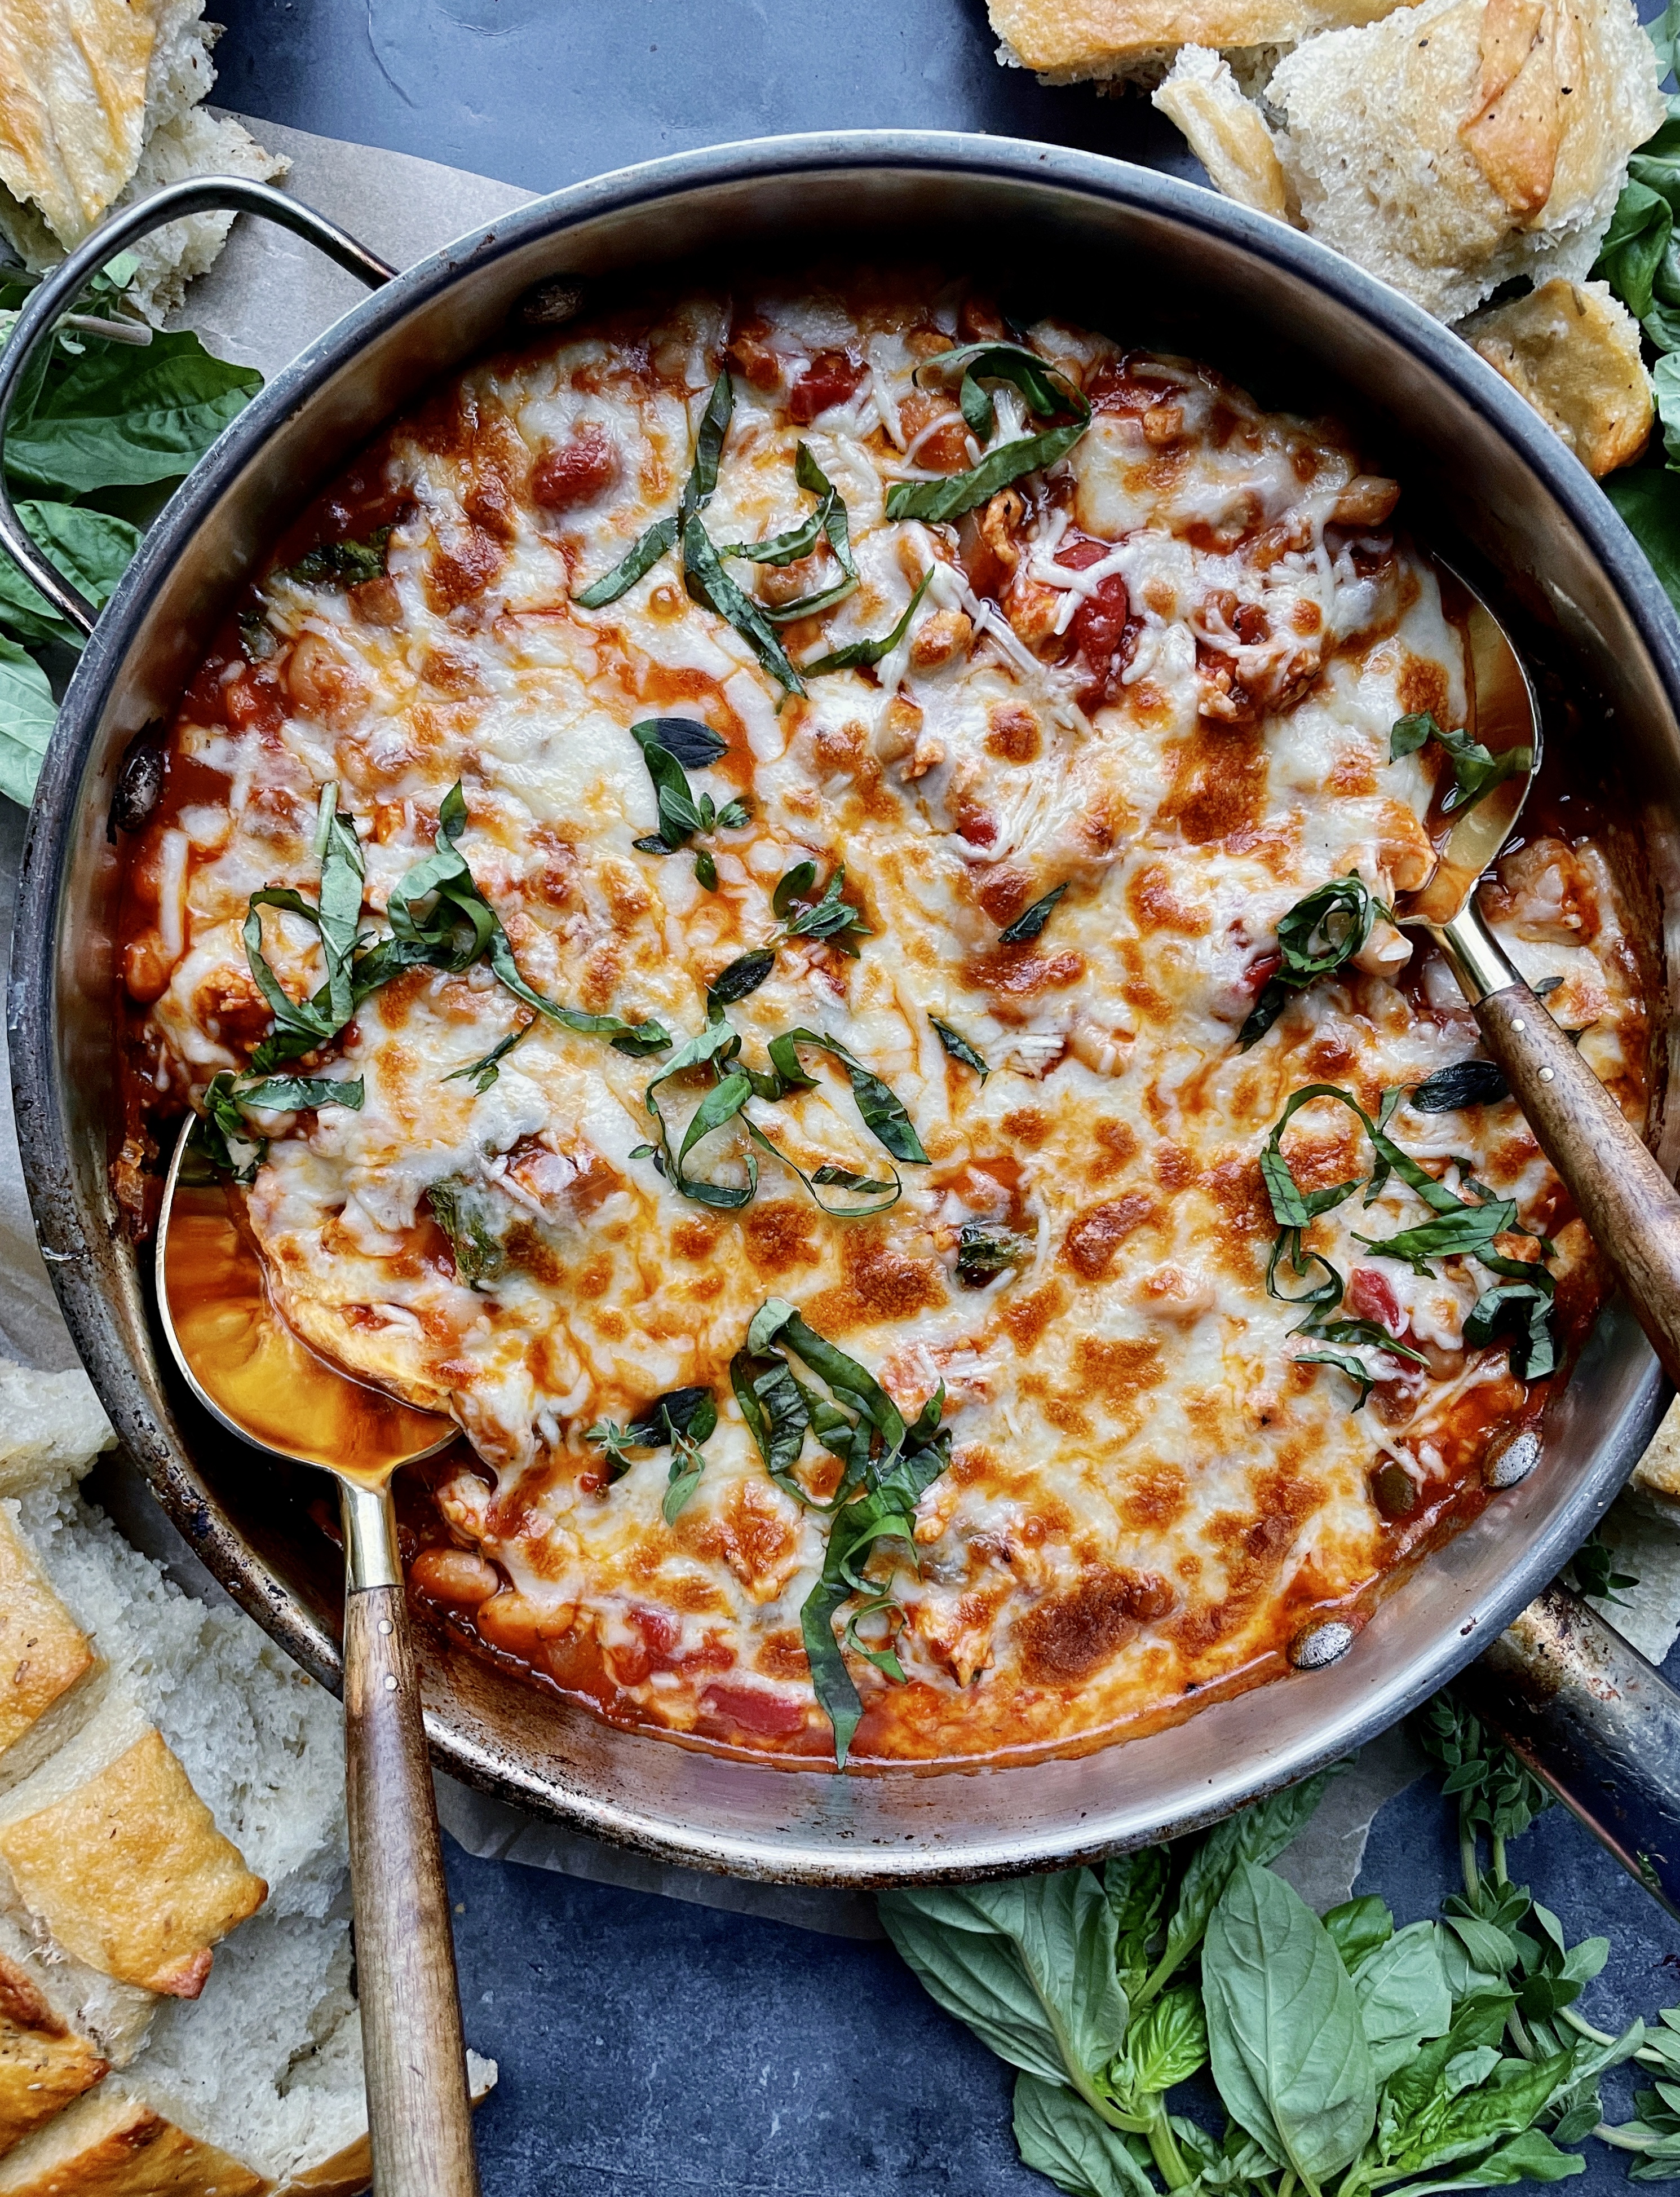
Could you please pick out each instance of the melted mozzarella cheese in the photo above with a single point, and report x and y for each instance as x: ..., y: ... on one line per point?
x: 1150, y: 1489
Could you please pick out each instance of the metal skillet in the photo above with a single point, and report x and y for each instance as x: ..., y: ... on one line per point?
x: 1198, y: 274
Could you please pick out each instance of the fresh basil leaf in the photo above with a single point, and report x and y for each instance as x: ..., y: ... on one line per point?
x: 1284, y: 2035
x: 711, y: 585
x: 1046, y: 391
x: 91, y: 547
x: 838, y: 1178
x: 28, y: 713
x: 701, y: 483
x: 639, y: 559
x: 777, y: 1321
x: 828, y: 522
x: 1465, y: 1083
x: 1168, y: 2041
x: 1466, y: 1233
x: 696, y: 746
x: 1635, y: 245
x: 1135, y: 1886
x: 1648, y: 498
x: 979, y: 412
x: 296, y: 1094
x: 1052, y: 2004
x: 483, y: 1073
x: 1528, y: 2156
x: 1032, y: 921
x: 861, y: 655
x: 1445, y: 2130
x: 467, y: 1216
x: 881, y: 1196
x: 831, y: 918
x: 792, y: 887
x: 1060, y: 2136
x: 1402, y: 1996
x: 983, y: 1254
x: 342, y: 563
x: 1259, y: 1835
x: 114, y: 417
x: 705, y: 871
x: 687, y: 1464
x: 1521, y: 1312
x: 1359, y: 1928
x: 745, y: 974
x: 691, y: 1411
x: 1319, y: 935
x: 776, y: 1413
x: 302, y: 1025
x: 714, y: 1046
x: 882, y: 1113
x: 1476, y: 769
x: 958, y: 1047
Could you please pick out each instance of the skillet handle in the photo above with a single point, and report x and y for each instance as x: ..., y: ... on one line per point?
x: 1595, y: 1722
x: 56, y: 295
x: 1631, y: 1208
x: 419, y: 2119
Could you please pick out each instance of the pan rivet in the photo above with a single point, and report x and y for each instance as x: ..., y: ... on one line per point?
x: 1321, y: 1645
x: 390, y: 1682
x: 1545, y: 1075
x: 1515, y: 1462
x: 1517, y: 1025
x: 385, y: 1626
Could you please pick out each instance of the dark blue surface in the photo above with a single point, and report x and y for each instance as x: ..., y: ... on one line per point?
x: 649, y: 2048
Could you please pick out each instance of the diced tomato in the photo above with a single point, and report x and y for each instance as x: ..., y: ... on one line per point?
x: 254, y: 705
x: 1371, y: 1296
x: 1098, y: 627
x: 576, y: 472
x: 1260, y: 971
x: 831, y: 378
x: 755, y: 1708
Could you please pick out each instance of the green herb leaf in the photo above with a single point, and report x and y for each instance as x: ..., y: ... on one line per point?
x: 1032, y: 921
x: 1319, y: 935
x: 1528, y: 2156
x: 91, y: 547
x: 792, y: 887
x: 983, y: 1254
x: 1402, y: 1996
x: 1257, y: 1834
x: 28, y: 714
x: 1288, y: 2048
x: 468, y: 1215
x: 711, y: 585
x: 342, y: 563
x: 483, y: 1073
x: 1476, y: 769
x: 1060, y: 2136
x: 1046, y: 391
x: 705, y: 870
x: 296, y: 1094
x: 1465, y: 1083
x: 829, y: 522
x: 861, y: 655
x: 651, y: 544
x: 1358, y: 1928
x: 114, y: 417
x: 1594, y: 1570
x: 1168, y: 2041
x: 958, y: 1047
x: 1464, y: 1234
x: 1521, y: 1311
x: 745, y: 974
x: 829, y: 918
x: 637, y: 561
x: 882, y: 1113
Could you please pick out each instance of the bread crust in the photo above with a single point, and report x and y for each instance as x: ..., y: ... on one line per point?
x: 44, y: 1652
x: 72, y: 103
x: 1573, y: 350
x: 1069, y: 39
x: 129, y: 1872
x: 110, y: 2145
x: 44, y: 2065
x: 1227, y: 132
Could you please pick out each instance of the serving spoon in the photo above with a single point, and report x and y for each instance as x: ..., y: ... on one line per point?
x: 250, y: 1371
x: 1631, y: 1208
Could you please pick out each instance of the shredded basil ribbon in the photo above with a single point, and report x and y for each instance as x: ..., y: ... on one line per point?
x: 1032, y: 921
x: 887, y: 1467
x: 698, y: 490
x: 829, y: 522
x: 482, y: 1074
x: 1460, y: 1228
x: 860, y: 655
x: 958, y: 1047
x: 1476, y: 769
x: 348, y: 563
x: 1319, y: 935
x: 229, y: 1098
x: 1046, y: 392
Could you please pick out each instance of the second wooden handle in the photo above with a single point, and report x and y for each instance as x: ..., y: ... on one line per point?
x: 419, y: 2115
x: 1631, y: 1208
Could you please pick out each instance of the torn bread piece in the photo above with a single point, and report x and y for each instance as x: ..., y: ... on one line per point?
x: 112, y: 2144
x: 45, y: 2061
x: 1572, y: 349
x: 1227, y: 132
x: 111, y: 2019
x: 46, y: 1661
x: 1134, y: 41
x: 51, y: 1428
x: 109, y: 1851
x: 1458, y: 144
x: 97, y: 109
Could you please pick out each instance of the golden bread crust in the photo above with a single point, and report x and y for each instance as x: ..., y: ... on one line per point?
x: 1572, y: 349
x: 73, y: 104
x: 43, y: 2064
x: 130, y: 1875
x: 43, y: 1652
x: 1102, y: 37
x: 1227, y: 132
x: 112, y: 2146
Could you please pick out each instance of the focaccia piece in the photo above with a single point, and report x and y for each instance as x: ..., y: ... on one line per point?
x: 124, y: 1864
x: 45, y: 1657
x: 52, y: 1427
x: 1227, y: 132
x: 1134, y: 41
x: 44, y: 2062
x: 1456, y: 145
x: 112, y: 2144
x: 1573, y: 350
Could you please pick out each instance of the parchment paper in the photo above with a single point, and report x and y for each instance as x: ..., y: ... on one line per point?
x: 267, y: 297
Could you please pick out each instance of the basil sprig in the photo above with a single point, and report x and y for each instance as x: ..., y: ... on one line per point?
x: 830, y: 521
x: 1460, y: 1227
x: 667, y: 744
x: 887, y: 1466
x: 1046, y: 392
x: 683, y: 1420
x: 1319, y: 935
x: 829, y: 917
x: 1476, y: 769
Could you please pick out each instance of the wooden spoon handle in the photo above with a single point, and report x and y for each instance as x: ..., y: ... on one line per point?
x: 1631, y: 1208
x: 419, y: 2116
